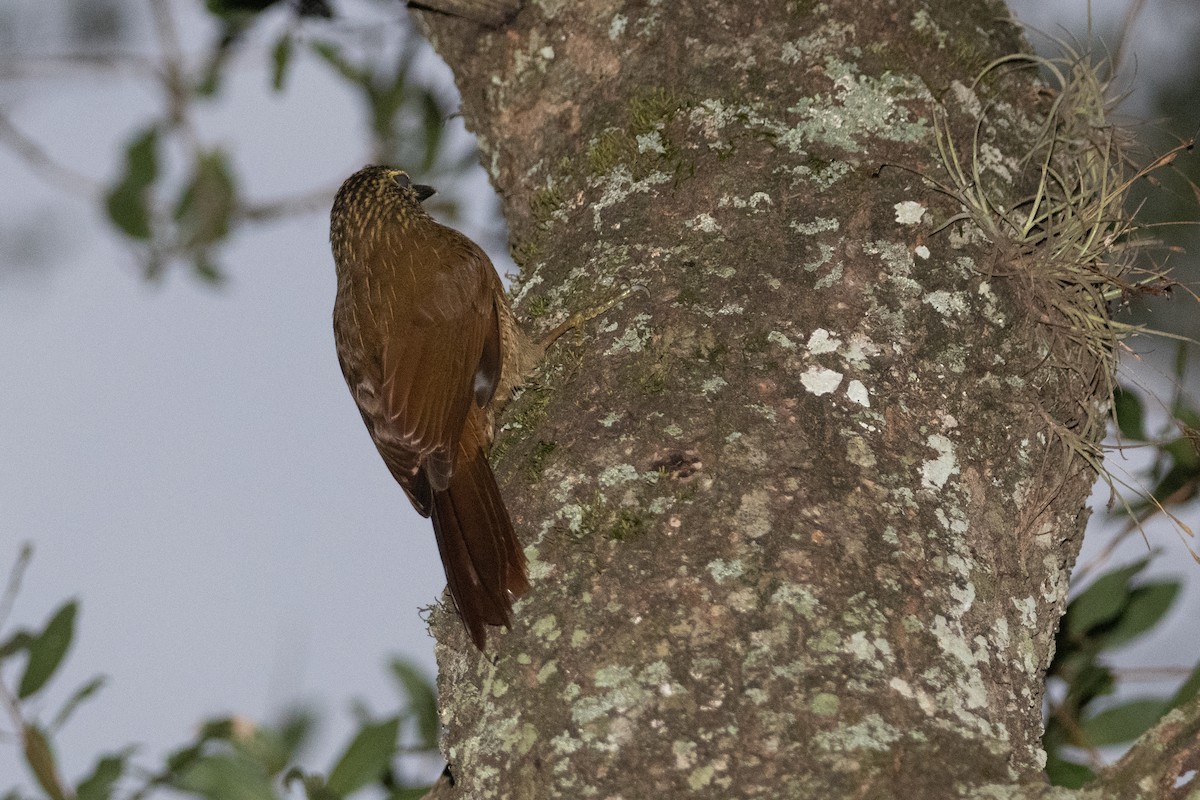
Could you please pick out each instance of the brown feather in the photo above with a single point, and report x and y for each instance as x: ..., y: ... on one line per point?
x: 428, y: 346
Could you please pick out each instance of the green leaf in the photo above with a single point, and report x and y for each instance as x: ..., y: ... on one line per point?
x: 1184, y: 452
x: 48, y: 649
x: 1124, y: 722
x: 1127, y: 407
x: 81, y: 694
x: 314, y: 785
x: 126, y: 201
x: 1091, y: 681
x: 366, y: 759
x: 422, y: 701
x: 434, y: 124
x: 410, y: 793
x: 1167, y: 490
x: 17, y: 643
x: 225, y: 777
x: 40, y: 758
x: 1147, y: 605
x: 281, y: 57
x: 206, y: 206
x: 1102, y: 601
x: 295, y: 729
x: 1187, y: 691
x: 331, y: 55
x: 99, y: 785
x: 207, y: 270
x: 1068, y: 774
x: 265, y: 748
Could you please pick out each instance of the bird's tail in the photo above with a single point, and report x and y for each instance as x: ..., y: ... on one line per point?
x: 485, y: 566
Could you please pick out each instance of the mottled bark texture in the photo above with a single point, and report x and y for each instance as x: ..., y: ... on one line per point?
x: 797, y: 523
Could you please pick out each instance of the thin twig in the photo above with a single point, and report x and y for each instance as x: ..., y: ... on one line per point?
x: 14, y: 581
x: 173, y: 69
x: 38, y: 159
x: 317, y: 200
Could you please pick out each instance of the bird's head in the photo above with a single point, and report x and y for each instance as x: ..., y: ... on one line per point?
x: 377, y: 191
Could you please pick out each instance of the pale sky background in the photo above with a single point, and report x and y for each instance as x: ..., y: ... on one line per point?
x: 187, y: 460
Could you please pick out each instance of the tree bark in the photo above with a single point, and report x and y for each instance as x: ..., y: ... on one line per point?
x: 798, y: 521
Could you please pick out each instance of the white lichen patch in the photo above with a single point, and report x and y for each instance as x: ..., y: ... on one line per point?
x: 826, y: 255
x: 936, y: 471
x: 921, y: 252
x: 898, y: 261
x: 820, y: 179
x: 712, y: 386
x: 572, y: 514
x: 991, y: 309
x: 992, y: 160
x: 909, y: 212
x: 858, y: 393
x: 962, y: 593
x: 634, y: 339
x: 775, y: 337
x: 618, y: 185
x: 722, y: 570
x: 831, y: 36
x: 862, y: 106
x: 623, y: 692
x: 547, y: 628
x: 946, y: 303
x: 685, y: 754
x: 818, y: 225
x: 703, y: 222
x: 825, y: 704
x: 967, y: 98
x: 797, y: 597
x: 822, y: 341
x: 610, y: 419
x: 617, y: 26
x: 876, y: 651
x: 651, y: 143
x: 859, y: 349
x: 923, y: 23
x: 963, y: 688
x: 820, y: 380
x: 870, y: 733
x: 757, y: 202
x: 1027, y: 608
x: 618, y: 474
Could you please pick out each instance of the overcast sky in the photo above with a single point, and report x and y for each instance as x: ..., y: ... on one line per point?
x: 187, y: 460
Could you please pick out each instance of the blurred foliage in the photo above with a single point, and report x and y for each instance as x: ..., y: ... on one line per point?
x: 230, y: 757
x: 1119, y: 606
x: 178, y: 199
x: 1175, y: 471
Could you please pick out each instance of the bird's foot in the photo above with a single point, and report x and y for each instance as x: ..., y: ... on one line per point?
x: 581, y: 318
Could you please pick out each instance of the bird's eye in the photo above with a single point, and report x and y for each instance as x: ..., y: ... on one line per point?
x: 402, y: 180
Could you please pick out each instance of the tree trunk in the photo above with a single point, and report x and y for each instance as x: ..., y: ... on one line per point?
x: 800, y: 520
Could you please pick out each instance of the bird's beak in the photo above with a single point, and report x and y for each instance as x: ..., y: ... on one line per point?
x: 423, y: 192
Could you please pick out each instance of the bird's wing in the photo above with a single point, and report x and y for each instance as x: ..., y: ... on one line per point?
x: 430, y: 369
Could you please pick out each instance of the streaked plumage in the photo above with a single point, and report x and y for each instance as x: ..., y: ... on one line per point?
x: 429, y: 347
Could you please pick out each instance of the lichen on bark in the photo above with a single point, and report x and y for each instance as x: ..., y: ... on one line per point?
x: 792, y: 528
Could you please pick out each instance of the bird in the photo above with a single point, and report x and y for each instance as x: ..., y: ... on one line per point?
x: 431, y: 350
